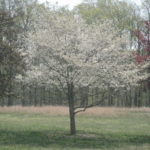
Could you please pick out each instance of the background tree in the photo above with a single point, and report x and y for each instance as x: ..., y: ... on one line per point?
x: 125, y: 16
x: 11, y: 60
x: 15, y: 17
x: 143, y: 44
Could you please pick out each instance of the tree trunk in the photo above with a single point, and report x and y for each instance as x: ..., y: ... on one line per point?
x: 35, y: 96
x: 23, y: 95
x: 30, y: 95
x: 71, y: 109
x: 2, y: 102
x: 72, y: 121
x: 10, y: 100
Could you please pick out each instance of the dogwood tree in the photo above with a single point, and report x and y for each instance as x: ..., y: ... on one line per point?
x: 66, y: 52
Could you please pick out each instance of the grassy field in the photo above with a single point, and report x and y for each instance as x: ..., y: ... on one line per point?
x: 47, y: 128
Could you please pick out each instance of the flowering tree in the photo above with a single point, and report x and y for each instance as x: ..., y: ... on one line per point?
x: 143, y: 54
x: 66, y: 52
x: 143, y: 40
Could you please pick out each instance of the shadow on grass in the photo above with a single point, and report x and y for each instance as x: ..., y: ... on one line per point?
x: 82, y: 140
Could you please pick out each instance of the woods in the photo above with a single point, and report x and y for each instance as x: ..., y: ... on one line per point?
x: 94, y: 55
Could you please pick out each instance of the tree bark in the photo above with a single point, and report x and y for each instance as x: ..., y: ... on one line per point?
x: 71, y: 109
x: 72, y: 121
x: 10, y: 100
x: 23, y: 95
x: 35, y: 96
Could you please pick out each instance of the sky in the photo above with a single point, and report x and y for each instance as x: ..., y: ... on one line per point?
x: 69, y: 3
x: 72, y: 3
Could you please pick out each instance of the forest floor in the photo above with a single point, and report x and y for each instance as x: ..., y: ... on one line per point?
x: 47, y: 128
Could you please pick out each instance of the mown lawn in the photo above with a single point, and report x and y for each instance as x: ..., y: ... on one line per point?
x: 129, y: 130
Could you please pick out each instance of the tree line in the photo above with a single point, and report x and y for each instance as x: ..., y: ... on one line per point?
x: 41, y: 96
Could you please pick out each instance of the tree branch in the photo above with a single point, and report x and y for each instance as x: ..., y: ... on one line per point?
x: 88, y: 106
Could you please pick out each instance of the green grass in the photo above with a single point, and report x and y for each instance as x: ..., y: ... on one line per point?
x: 29, y: 131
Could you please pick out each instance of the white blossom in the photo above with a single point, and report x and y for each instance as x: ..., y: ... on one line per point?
x: 66, y: 50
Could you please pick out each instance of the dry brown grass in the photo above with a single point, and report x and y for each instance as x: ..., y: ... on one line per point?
x: 62, y: 110
x: 52, y: 110
x: 113, y: 111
